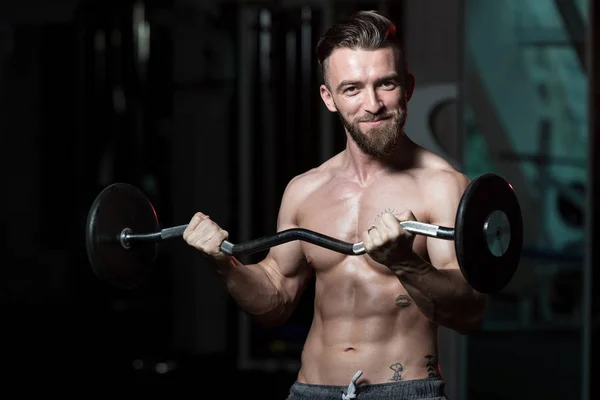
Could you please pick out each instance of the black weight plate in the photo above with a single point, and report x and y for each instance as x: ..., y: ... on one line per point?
x: 117, y: 207
x: 486, y: 272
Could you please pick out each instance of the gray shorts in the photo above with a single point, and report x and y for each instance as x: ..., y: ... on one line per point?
x: 429, y: 388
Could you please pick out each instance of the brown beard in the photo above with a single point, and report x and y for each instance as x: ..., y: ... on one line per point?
x: 381, y: 140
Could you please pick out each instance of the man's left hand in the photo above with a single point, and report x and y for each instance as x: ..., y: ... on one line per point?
x: 388, y: 243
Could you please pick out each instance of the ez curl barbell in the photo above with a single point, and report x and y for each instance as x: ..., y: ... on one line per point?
x: 122, y: 233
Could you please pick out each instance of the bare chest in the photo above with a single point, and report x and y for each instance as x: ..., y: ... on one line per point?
x: 346, y: 211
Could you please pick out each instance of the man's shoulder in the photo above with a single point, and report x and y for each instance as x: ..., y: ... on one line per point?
x: 440, y: 175
x: 300, y: 188
x: 309, y: 181
x: 314, y: 178
x: 442, y: 181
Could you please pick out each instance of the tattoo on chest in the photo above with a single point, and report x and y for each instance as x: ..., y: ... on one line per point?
x: 403, y: 301
x: 387, y: 210
x: 431, y: 365
x: 397, y: 368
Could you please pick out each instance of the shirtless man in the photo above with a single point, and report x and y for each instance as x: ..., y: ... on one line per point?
x: 374, y: 332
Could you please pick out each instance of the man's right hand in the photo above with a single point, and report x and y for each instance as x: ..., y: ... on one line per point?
x: 205, y: 235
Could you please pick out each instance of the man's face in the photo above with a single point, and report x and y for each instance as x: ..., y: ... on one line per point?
x: 368, y: 90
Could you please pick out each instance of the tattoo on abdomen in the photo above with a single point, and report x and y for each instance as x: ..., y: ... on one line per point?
x: 431, y: 366
x: 403, y: 301
x: 397, y: 368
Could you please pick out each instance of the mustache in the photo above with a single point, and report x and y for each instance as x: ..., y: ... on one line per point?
x: 374, y: 118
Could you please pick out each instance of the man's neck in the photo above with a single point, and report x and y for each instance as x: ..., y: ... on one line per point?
x: 367, y: 167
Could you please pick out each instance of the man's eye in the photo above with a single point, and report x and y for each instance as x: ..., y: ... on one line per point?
x: 349, y: 89
x: 389, y: 85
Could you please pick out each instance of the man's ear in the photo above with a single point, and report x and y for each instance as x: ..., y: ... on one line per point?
x: 327, y: 98
x: 410, y: 85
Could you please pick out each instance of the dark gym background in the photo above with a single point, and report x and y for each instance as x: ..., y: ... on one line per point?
x: 213, y: 106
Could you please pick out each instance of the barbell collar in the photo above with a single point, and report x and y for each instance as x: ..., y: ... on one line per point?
x: 127, y: 237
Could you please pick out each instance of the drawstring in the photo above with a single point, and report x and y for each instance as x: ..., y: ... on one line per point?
x: 352, y: 387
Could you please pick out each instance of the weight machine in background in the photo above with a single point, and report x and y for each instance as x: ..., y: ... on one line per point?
x: 533, y: 126
x: 123, y: 91
x: 82, y: 105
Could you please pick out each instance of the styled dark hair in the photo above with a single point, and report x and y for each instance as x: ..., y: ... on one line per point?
x: 366, y: 30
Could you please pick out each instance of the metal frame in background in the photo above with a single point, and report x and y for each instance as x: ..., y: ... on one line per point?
x: 249, y: 58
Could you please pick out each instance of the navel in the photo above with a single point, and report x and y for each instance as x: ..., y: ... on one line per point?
x: 403, y: 301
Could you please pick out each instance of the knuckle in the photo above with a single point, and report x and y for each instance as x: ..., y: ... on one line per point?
x: 203, y: 247
x: 187, y: 236
x: 365, y: 239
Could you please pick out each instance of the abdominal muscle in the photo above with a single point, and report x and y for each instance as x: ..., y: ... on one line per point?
x: 357, y: 325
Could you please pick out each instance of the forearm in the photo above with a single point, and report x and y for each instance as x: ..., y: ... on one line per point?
x: 254, y: 290
x: 443, y: 295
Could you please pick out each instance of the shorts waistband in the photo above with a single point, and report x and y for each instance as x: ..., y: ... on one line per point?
x: 427, y: 388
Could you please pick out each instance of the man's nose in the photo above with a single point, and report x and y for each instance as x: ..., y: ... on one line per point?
x: 372, y: 102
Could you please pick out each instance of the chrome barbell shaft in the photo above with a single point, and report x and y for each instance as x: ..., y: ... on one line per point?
x: 415, y: 227
x: 421, y: 228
